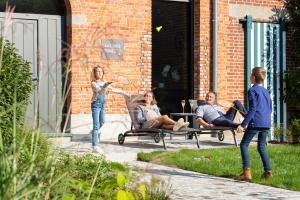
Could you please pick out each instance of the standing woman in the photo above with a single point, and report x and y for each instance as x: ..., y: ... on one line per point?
x: 257, y: 121
x: 100, y: 89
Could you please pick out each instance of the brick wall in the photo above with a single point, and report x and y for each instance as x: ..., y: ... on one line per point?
x: 292, y: 60
x: 236, y: 50
x: 267, y: 3
x: 94, y: 20
x: 203, y: 50
x: 130, y: 20
x: 230, y: 47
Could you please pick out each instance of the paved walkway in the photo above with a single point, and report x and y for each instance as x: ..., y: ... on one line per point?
x: 185, y: 184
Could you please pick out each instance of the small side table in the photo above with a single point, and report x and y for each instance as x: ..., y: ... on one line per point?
x: 183, y: 115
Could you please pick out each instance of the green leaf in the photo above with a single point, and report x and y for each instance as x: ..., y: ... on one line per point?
x: 121, y: 195
x: 143, y: 190
x: 68, y: 197
x: 121, y: 179
x: 129, y: 196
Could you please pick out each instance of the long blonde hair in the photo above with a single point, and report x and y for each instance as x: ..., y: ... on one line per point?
x: 93, y: 77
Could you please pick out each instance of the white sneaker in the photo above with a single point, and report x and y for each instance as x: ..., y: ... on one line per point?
x: 180, y: 124
x: 176, y: 126
x: 184, y: 125
x: 181, y: 120
x: 97, y: 149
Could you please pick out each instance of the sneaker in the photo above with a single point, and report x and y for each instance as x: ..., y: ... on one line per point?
x: 267, y: 175
x: 181, y: 120
x: 180, y: 124
x: 97, y: 149
x: 184, y: 125
x: 176, y: 126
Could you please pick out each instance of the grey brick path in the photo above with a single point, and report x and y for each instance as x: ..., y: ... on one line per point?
x: 185, y: 184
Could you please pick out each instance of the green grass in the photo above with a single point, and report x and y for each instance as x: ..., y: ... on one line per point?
x: 226, y: 162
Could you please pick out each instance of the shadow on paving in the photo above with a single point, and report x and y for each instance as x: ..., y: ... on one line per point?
x: 171, y: 144
x: 177, y: 172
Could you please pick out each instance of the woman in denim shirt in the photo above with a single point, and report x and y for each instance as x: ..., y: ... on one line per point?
x: 149, y: 116
x: 100, y: 89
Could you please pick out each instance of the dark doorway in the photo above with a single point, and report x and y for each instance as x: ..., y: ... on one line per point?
x: 172, y: 78
x: 48, y: 7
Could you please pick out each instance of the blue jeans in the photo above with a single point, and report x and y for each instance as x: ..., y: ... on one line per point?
x: 227, y: 119
x: 262, y: 135
x: 98, y: 114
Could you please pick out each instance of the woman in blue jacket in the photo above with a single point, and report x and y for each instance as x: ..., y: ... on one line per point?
x: 257, y: 121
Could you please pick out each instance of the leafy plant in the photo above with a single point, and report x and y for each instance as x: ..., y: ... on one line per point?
x: 280, y: 132
x: 26, y: 168
x: 294, y: 136
x: 15, y: 89
x: 293, y: 7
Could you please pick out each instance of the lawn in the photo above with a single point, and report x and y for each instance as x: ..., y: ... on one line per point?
x: 226, y: 162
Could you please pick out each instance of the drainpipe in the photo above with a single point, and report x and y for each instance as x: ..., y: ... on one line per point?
x: 215, y: 47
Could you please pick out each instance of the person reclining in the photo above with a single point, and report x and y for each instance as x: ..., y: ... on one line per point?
x: 208, y: 114
x: 148, y: 115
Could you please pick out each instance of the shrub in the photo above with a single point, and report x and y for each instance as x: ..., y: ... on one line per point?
x: 25, y: 170
x: 295, y: 131
x: 92, y: 177
x: 15, y: 89
x: 293, y: 7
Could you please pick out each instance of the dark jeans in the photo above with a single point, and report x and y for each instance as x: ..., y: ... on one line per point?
x: 227, y: 119
x: 262, y: 135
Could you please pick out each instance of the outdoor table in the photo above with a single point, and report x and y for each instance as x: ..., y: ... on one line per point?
x: 183, y: 115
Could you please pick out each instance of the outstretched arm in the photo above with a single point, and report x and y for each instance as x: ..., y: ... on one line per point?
x: 117, y: 91
x: 203, y: 123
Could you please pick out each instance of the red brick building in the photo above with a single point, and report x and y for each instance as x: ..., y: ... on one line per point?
x: 92, y: 28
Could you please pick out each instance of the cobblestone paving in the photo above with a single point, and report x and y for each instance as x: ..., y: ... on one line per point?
x: 185, y: 185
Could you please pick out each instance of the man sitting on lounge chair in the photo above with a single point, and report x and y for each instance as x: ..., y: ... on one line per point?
x: 209, y: 114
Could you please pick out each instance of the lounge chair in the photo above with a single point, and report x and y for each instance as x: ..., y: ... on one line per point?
x: 218, y: 130
x: 158, y: 134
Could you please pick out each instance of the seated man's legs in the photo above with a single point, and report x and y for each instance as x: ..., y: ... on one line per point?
x: 237, y: 106
x: 223, y: 121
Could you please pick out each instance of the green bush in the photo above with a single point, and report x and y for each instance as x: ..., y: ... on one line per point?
x: 295, y: 131
x: 92, y: 177
x: 15, y: 89
x: 25, y: 170
x: 293, y: 7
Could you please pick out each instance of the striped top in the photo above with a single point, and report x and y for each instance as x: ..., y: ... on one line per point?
x: 209, y: 112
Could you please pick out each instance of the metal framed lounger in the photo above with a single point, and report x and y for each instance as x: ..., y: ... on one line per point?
x: 219, y: 130
x: 157, y: 134
x: 132, y: 102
